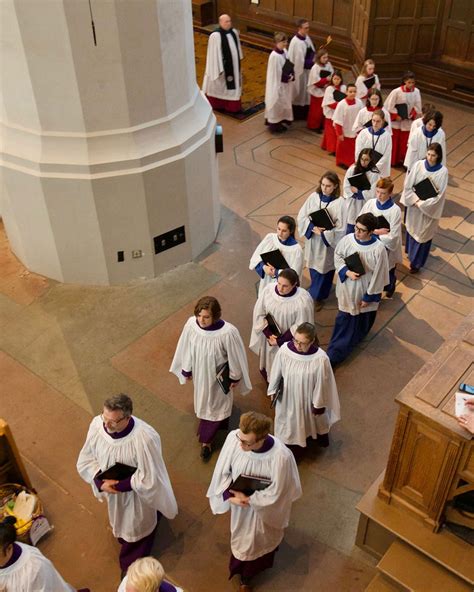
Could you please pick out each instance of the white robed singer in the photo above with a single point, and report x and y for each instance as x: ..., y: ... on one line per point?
x: 214, y: 83
x: 353, y: 205
x: 419, y: 144
x: 202, y: 352
x: 132, y: 514
x: 381, y: 142
x: 297, y: 53
x: 293, y: 255
x: 277, y: 93
x: 375, y: 261
x: 258, y: 528
x: 308, y: 381
x: 393, y: 240
x: 319, y: 250
x: 32, y: 572
x: 288, y: 312
x: 364, y: 116
x: 422, y: 222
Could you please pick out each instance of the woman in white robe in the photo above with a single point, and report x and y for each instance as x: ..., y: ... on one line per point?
x: 329, y: 105
x: 378, y: 139
x: 367, y: 75
x: 358, y: 296
x: 421, y: 138
x: 301, y: 52
x: 205, y: 345
x: 422, y: 217
x: 257, y: 521
x: 289, y: 305
x: 309, y: 402
x: 278, y: 85
x: 373, y: 103
x: 284, y: 241
x: 319, y: 78
x: 320, y: 243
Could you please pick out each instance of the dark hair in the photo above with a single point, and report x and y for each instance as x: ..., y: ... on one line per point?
x: 319, y: 54
x: 290, y: 275
x: 368, y: 220
x: 300, y: 22
x: 348, y: 86
x: 408, y: 75
x: 371, y: 93
x: 290, y: 222
x: 309, y: 330
x: 337, y: 73
x: 211, y: 304
x: 358, y: 168
x: 333, y: 177
x: 428, y: 107
x: 255, y: 423
x: 437, y: 117
x: 7, y: 532
x: 120, y: 402
x: 438, y: 149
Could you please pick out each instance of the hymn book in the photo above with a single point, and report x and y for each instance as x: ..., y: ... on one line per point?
x: 369, y: 83
x: 288, y: 68
x: 360, y: 181
x: 382, y: 222
x: 278, y: 394
x: 354, y: 263
x: 338, y: 95
x: 402, y: 110
x: 272, y: 325
x: 223, y: 377
x: 376, y: 156
x: 248, y: 484
x: 275, y: 259
x: 324, y: 73
x: 426, y: 189
x: 118, y: 472
x: 322, y: 219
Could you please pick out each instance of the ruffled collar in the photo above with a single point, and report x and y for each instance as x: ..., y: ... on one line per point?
x: 407, y: 90
x: 350, y: 101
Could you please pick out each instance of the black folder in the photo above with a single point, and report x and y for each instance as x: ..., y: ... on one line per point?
x: 288, y: 68
x: 369, y: 83
x: 425, y: 189
x: 275, y: 258
x: 402, y: 110
x: 322, y: 219
x: 273, y: 325
x: 223, y: 378
x: 354, y: 263
x: 324, y: 73
x: 279, y: 393
x: 360, y: 181
x: 248, y: 484
x: 382, y: 222
x: 376, y: 156
x: 118, y: 472
x: 338, y: 95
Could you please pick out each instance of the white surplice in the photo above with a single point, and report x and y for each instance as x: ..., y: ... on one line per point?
x: 296, y: 54
x: 328, y: 99
x: 362, y: 90
x: 375, y: 261
x: 412, y: 100
x: 277, y: 93
x: 381, y: 143
x: 308, y: 381
x: 353, y: 206
x: 214, y: 83
x: 422, y: 222
x: 288, y: 312
x: 123, y: 586
x: 256, y: 529
x: 345, y: 116
x: 418, y: 145
x: 318, y: 255
x: 314, y: 77
x: 365, y: 115
x: 32, y: 572
x: 293, y: 255
x: 202, y: 352
x: 132, y: 514
x: 393, y: 240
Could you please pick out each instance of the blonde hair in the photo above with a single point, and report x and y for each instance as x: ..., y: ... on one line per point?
x: 145, y: 574
x: 363, y: 71
x: 279, y: 37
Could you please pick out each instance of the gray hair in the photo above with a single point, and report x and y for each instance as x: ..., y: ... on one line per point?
x: 120, y: 402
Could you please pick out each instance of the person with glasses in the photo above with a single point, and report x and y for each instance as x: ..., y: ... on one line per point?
x: 358, y: 294
x: 309, y: 403
x: 135, y: 503
x: 258, y: 520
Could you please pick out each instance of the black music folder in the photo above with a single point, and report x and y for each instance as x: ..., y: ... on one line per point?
x: 223, y: 378
x: 402, y: 110
x: 118, y: 472
x: 360, y: 181
x: 279, y: 393
x: 369, y: 83
x: 272, y: 325
x: 248, y: 484
x: 354, y: 263
x: 275, y: 259
x: 382, y: 222
x: 376, y: 156
x: 288, y: 68
x: 426, y: 189
x: 338, y: 95
x: 324, y: 73
x: 322, y: 219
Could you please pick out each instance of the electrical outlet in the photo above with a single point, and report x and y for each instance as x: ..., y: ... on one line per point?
x: 137, y: 254
x: 170, y: 239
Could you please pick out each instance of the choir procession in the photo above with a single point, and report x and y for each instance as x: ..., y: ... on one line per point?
x: 347, y: 239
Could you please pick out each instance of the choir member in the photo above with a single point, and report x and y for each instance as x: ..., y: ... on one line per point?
x: 418, y: 122
x: 309, y: 403
x: 329, y: 104
x: 24, y: 568
x: 146, y: 575
x: 367, y: 74
x: 422, y: 217
x: 391, y: 238
x: 289, y: 305
x: 258, y: 520
x: 406, y: 94
x: 320, y: 243
x: 301, y: 53
x: 135, y: 503
x: 344, y: 116
x: 355, y: 198
x: 316, y: 87
x: 283, y: 240
x: 423, y: 136
x: 358, y: 295
x: 373, y: 103
x: 278, y: 110
x: 222, y: 82
x: 205, y: 345
x: 378, y: 139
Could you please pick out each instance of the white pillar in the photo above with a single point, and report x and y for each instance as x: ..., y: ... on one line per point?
x: 103, y: 146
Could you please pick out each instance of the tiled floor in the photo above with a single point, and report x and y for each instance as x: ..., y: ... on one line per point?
x: 65, y: 348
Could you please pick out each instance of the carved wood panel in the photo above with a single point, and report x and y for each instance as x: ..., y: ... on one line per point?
x: 457, y: 36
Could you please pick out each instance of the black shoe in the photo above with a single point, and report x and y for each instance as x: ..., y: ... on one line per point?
x: 206, y: 452
x: 323, y: 440
x: 414, y: 269
x: 389, y: 293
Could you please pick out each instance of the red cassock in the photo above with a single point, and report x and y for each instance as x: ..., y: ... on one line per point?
x: 345, y: 149
x: 329, y: 138
x: 399, y: 146
x: 315, y: 115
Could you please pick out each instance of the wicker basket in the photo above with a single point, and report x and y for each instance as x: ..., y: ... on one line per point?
x: 9, y: 489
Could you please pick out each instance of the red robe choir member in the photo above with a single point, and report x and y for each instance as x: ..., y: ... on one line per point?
x: 408, y: 98
x: 379, y: 140
x: 301, y: 54
x: 374, y: 102
x: 329, y: 103
x: 421, y: 138
x: 344, y: 116
x: 367, y: 80
x: 319, y: 78
x: 279, y: 81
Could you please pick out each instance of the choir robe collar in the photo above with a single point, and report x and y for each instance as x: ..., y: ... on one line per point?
x: 289, y: 242
x: 428, y: 134
x: 266, y: 446
x: 312, y: 349
x: 371, y: 241
x: 17, y: 551
x: 432, y: 169
x: 384, y: 206
x: 350, y: 101
x: 326, y: 198
x: 374, y: 133
x: 277, y: 50
x: 407, y: 90
x: 214, y: 327
x: 300, y: 37
x: 123, y: 433
x: 292, y: 293
x: 372, y: 109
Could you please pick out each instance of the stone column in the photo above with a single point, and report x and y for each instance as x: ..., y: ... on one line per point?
x: 106, y: 140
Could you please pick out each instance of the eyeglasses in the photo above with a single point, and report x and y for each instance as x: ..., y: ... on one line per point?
x: 359, y: 229
x: 301, y: 343
x: 111, y: 422
x: 245, y: 443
